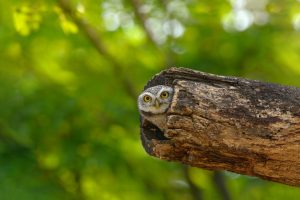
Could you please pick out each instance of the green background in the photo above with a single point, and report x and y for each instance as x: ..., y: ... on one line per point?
x: 70, y: 72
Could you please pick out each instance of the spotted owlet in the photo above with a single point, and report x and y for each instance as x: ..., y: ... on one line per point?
x: 153, y: 104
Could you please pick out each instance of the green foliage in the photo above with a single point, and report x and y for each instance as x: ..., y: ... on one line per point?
x: 69, y: 126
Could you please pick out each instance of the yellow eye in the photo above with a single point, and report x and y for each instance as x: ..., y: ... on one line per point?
x: 164, y: 95
x: 147, y: 98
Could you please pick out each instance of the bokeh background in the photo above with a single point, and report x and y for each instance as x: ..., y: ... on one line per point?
x: 70, y: 72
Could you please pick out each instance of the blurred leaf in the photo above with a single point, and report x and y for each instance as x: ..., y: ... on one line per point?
x: 27, y: 19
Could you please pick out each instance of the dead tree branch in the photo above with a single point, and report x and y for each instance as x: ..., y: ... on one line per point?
x: 227, y: 123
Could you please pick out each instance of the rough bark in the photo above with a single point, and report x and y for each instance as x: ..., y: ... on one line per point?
x: 228, y: 123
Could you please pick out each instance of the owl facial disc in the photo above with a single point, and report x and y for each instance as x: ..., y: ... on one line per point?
x: 155, y: 100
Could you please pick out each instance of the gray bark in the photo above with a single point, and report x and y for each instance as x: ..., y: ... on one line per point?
x: 228, y: 123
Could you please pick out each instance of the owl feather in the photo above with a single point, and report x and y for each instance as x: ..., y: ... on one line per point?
x: 153, y: 104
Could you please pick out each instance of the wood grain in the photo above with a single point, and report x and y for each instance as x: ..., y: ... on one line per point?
x: 228, y: 123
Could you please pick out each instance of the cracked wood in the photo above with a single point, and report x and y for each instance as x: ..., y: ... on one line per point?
x: 228, y: 123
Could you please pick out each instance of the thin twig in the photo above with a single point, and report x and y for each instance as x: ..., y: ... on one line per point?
x: 220, y: 184
x: 142, y: 18
x: 195, y: 191
x: 93, y: 36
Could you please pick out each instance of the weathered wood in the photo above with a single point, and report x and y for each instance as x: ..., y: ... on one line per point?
x: 227, y: 123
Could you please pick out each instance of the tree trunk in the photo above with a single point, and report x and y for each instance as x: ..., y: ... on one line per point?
x: 227, y: 123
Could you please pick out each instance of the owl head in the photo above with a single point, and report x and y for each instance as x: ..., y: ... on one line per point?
x: 155, y: 100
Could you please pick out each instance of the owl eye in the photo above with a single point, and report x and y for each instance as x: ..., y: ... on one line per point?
x: 147, y: 98
x: 164, y: 95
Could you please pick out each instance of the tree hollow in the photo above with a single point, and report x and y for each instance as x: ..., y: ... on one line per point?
x: 228, y: 123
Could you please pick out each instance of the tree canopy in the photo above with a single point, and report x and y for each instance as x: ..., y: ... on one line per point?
x: 70, y: 72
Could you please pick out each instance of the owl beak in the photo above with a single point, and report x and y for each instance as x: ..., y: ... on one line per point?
x: 157, y: 104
